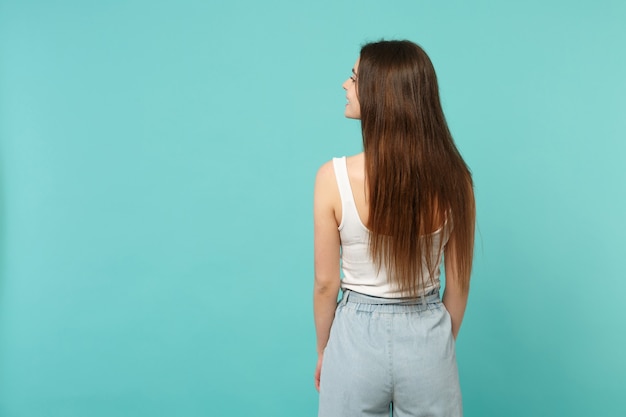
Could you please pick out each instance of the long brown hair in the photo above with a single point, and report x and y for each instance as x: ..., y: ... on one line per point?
x: 416, y: 177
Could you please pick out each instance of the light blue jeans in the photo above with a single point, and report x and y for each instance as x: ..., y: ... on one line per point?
x: 385, y: 354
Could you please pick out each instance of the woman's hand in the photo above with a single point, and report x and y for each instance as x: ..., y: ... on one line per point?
x: 318, y: 371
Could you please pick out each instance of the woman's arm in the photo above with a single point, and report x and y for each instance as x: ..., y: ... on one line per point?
x: 326, y: 242
x: 454, y: 297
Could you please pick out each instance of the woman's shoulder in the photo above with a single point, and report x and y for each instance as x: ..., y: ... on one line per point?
x: 325, y: 180
x: 359, y: 157
x: 327, y: 197
x: 356, y: 165
x: 327, y: 170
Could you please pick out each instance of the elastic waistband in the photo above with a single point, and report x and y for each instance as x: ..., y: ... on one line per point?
x: 350, y: 296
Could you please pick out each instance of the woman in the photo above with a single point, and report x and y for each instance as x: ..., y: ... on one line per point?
x: 390, y: 215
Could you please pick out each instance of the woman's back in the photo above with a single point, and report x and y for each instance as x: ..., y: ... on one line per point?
x: 360, y: 272
x: 356, y: 172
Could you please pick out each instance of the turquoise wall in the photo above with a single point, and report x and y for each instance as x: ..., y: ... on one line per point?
x: 157, y: 165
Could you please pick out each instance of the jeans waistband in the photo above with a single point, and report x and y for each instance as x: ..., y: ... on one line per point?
x: 350, y: 296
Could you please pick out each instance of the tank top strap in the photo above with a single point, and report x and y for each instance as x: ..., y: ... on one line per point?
x: 343, y: 181
x: 345, y: 191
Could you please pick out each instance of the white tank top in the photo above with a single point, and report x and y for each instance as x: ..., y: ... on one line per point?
x: 359, y: 272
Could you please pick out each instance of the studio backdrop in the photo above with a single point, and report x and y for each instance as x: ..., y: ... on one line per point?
x: 156, y: 176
